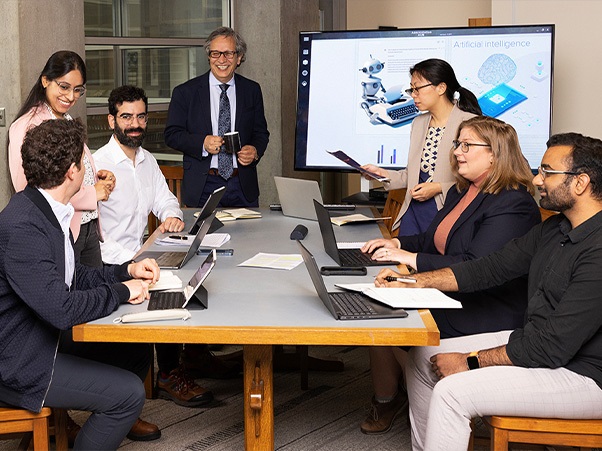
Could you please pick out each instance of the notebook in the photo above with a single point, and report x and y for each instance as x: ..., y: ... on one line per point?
x: 296, y: 196
x: 346, y: 305
x: 208, y: 208
x: 343, y: 257
x: 174, y: 259
x: 164, y: 300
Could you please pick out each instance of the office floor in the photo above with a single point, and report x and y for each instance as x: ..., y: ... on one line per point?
x: 325, y: 417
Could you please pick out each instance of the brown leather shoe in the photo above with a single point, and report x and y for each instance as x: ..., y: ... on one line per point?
x: 182, y: 389
x: 143, y: 431
x: 382, y: 414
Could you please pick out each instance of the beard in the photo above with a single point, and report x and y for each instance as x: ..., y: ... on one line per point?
x: 560, y: 198
x: 129, y: 141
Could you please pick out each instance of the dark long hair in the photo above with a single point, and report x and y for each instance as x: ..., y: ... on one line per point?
x: 59, y: 64
x: 438, y: 71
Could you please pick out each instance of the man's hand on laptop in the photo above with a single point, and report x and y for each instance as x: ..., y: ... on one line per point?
x: 138, y: 291
x: 146, y: 270
x: 172, y: 225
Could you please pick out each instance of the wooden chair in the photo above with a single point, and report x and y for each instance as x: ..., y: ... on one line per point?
x: 173, y: 176
x: 585, y: 434
x: 545, y: 214
x: 36, y: 426
x: 393, y: 204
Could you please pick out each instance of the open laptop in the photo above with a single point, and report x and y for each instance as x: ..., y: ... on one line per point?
x: 162, y: 300
x: 296, y: 196
x: 208, y: 208
x: 175, y: 259
x: 347, y: 305
x: 343, y: 257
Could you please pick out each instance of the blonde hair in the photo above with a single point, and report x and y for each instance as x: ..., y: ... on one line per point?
x: 509, y: 168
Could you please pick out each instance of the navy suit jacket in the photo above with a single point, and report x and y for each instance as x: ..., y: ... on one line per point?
x: 486, y: 225
x: 189, y: 122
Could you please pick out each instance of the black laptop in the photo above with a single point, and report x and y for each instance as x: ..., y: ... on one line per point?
x: 347, y: 305
x: 175, y: 259
x: 343, y: 257
x: 208, y: 208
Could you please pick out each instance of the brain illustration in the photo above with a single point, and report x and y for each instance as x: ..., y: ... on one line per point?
x: 497, y: 69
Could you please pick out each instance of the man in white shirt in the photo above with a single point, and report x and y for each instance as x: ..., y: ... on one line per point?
x: 140, y: 187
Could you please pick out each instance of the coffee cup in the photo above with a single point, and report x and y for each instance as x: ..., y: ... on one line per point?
x: 232, y: 142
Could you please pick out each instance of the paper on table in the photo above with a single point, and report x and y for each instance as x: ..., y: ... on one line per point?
x: 211, y: 240
x: 357, y: 217
x: 167, y: 281
x: 237, y: 213
x: 274, y: 261
x: 412, y: 298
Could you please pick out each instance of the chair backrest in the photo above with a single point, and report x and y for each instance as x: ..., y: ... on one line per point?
x: 393, y: 204
x: 545, y: 214
x: 173, y: 176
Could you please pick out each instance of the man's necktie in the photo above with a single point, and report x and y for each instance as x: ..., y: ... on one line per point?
x: 224, y: 160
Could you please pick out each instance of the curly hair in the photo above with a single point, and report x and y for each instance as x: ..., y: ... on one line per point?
x: 125, y: 93
x: 49, y: 150
x: 509, y: 169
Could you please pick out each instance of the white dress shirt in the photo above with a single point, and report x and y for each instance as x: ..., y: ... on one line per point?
x: 214, y: 94
x: 139, y: 189
x: 63, y: 213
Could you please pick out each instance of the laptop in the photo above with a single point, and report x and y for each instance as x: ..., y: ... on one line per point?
x: 175, y: 259
x: 343, y: 257
x: 347, y: 305
x: 208, y: 208
x: 162, y: 300
x: 296, y: 196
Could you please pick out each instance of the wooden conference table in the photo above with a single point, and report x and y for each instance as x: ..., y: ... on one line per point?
x: 258, y: 308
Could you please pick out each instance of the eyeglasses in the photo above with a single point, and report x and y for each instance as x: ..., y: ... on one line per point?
x: 215, y: 54
x: 545, y: 172
x: 65, y: 89
x: 129, y: 118
x: 465, y: 147
x: 415, y: 90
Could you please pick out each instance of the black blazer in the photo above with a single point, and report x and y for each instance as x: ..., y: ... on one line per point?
x: 487, y: 224
x: 189, y: 122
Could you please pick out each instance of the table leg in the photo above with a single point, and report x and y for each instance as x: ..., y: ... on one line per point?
x: 258, y: 397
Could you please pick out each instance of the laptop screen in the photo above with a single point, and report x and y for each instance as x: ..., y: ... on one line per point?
x: 200, y: 275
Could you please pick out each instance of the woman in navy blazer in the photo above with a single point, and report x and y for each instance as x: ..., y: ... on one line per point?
x: 490, y: 205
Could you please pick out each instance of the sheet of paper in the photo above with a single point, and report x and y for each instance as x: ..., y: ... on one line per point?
x: 210, y: 240
x: 410, y: 298
x: 274, y: 261
x: 242, y: 213
x: 167, y: 281
x: 356, y: 217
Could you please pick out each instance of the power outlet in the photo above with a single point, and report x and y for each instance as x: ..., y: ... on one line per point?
x: 2, y: 117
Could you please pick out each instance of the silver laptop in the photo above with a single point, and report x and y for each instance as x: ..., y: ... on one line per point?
x: 175, y: 259
x: 296, y: 196
x: 162, y: 300
x: 343, y: 257
x: 347, y: 305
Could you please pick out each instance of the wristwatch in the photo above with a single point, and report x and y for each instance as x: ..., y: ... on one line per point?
x: 472, y: 361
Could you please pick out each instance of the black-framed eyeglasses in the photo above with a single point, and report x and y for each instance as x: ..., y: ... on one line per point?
x: 65, y: 89
x: 416, y: 89
x: 129, y: 118
x: 543, y: 172
x: 215, y: 54
x: 465, y: 147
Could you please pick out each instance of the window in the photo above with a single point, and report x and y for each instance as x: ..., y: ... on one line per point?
x: 153, y: 44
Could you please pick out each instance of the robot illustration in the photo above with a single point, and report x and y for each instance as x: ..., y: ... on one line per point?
x: 382, y: 106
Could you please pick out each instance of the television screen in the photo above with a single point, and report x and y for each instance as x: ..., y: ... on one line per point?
x: 351, y: 88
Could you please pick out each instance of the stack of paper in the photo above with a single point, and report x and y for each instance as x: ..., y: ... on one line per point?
x: 357, y: 217
x: 274, y: 261
x: 167, y: 281
x: 237, y: 213
x: 410, y: 298
x: 211, y: 240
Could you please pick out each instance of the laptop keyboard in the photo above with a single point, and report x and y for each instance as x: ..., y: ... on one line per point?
x: 355, y: 257
x: 352, y: 304
x: 163, y: 300
x: 172, y: 259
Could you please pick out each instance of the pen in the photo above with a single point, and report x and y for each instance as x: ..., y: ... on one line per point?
x: 404, y: 279
x: 178, y: 237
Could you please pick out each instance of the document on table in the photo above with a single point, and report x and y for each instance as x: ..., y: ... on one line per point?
x: 357, y: 217
x: 211, y: 240
x: 167, y: 281
x: 237, y: 213
x: 274, y: 261
x: 410, y: 298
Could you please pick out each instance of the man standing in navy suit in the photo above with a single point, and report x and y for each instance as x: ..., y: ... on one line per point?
x: 206, y: 107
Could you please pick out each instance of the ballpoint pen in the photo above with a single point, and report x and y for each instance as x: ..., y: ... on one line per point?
x: 403, y: 279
